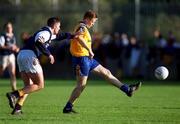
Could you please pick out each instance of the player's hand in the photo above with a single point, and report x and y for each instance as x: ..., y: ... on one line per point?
x: 76, y: 35
x: 51, y: 59
x: 91, y: 54
x: 14, y: 48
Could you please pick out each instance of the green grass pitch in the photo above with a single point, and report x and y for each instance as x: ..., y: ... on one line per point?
x: 100, y: 103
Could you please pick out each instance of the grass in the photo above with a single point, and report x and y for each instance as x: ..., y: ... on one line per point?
x: 99, y: 104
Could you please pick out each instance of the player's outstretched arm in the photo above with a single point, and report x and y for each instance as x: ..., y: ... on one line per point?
x: 62, y: 36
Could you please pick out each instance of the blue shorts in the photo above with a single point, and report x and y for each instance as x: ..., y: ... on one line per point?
x: 83, y: 65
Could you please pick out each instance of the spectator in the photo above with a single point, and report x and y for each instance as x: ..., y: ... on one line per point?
x: 160, y: 41
x: 7, y: 57
x: 133, y: 53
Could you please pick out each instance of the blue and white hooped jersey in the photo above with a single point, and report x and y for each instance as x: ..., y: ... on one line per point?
x: 44, y: 33
x: 47, y: 35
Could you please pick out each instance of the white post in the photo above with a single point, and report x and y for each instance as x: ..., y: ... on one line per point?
x: 95, y: 8
x: 18, y: 2
x: 55, y: 4
x: 137, y: 18
x: 18, y: 21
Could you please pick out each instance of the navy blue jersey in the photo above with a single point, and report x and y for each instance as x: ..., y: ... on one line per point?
x: 8, y: 41
x: 42, y: 48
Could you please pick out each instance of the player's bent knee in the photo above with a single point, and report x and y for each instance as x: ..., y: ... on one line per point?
x: 41, y: 85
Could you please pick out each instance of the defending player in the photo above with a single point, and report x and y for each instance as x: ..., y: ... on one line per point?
x: 7, y: 49
x: 28, y: 63
x: 83, y: 62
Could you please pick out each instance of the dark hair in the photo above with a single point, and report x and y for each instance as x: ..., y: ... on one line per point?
x: 51, y: 21
x: 90, y: 14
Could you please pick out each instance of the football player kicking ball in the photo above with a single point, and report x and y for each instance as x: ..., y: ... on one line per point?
x: 83, y: 62
x: 28, y: 63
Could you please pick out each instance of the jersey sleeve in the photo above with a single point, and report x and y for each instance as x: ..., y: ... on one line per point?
x: 42, y: 48
x: 81, y: 31
x: 42, y: 34
x: 40, y: 40
x: 2, y: 41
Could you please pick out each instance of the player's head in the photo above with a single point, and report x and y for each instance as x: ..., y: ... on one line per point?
x: 54, y: 24
x: 90, y: 18
x: 8, y: 27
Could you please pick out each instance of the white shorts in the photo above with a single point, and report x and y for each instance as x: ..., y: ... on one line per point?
x: 7, y: 60
x: 28, y: 62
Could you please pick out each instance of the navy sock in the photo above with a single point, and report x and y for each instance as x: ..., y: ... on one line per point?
x: 18, y: 107
x: 125, y: 88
